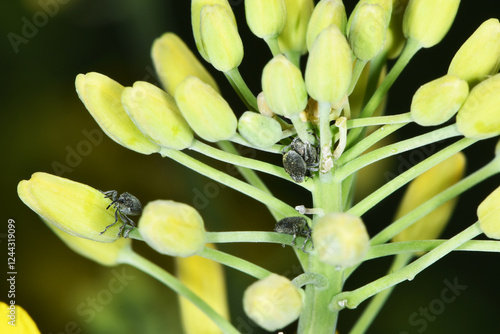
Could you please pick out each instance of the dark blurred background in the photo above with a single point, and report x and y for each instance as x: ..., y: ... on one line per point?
x: 44, y: 122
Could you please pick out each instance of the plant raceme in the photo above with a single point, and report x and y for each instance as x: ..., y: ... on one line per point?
x: 323, y: 121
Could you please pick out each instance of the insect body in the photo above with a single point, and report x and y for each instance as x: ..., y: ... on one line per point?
x: 125, y: 204
x: 300, y: 159
x: 295, y: 226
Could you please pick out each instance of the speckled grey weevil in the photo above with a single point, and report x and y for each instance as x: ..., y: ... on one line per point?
x: 295, y: 226
x: 125, y: 204
x: 300, y: 159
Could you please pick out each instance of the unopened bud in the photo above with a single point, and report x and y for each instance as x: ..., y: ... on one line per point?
x: 102, y: 98
x: 438, y: 100
x: 220, y: 38
x: 479, y: 56
x: 264, y: 108
x: 395, y: 39
x: 293, y: 36
x: 196, y: 6
x: 155, y: 113
x: 208, y: 114
x: 428, y: 21
x: 174, y: 62
x: 479, y: 116
x: 104, y: 253
x: 340, y: 239
x: 325, y: 13
x: 266, y: 18
x: 205, y: 278
x: 367, y: 30
x: 488, y: 213
x: 23, y: 324
x: 424, y: 187
x: 272, y: 302
x: 172, y: 228
x: 259, y: 130
x: 284, y: 87
x: 329, y: 67
x: 73, y: 207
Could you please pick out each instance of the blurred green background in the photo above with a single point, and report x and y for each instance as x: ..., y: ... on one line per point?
x: 43, y: 129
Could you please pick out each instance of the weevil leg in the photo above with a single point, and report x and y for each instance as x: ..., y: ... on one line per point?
x: 126, y: 222
x: 116, y: 221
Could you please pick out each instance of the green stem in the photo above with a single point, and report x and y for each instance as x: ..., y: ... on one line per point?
x: 376, y: 304
x: 317, y: 280
x: 358, y: 69
x: 130, y: 257
x: 232, y: 182
x: 238, y: 139
x: 374, y: 198
x: 241, y: 88
x: 368, y: 142
x: 251, y: 236
x: 301, y: 129
x: 427, y: 245
x: 422, y: 210
x: 316, y: 316
x: 235, y: 263
x: 351, y: 299
x: 409, y: 51
x: 294, y: 57
x: 379, y: 120
x: 230, y: 155
x: 272, y: 42
x: 377, y: 64
x: 325, y: 142
x: 396, y: 148
x: 251, y: 176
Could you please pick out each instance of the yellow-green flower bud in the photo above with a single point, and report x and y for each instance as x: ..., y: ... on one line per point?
x: 438, y: 100
x: 340, y: 239
x: 395, y: 39
x: 172, y: 228
x: 206, y: 279
x: 264, y: 108
x: 174, y: 62
x: 265, y: 18
x: 479, y: 116
x: 208, y: 114
x: 102, y: 98
x: 325, y: 13
x: 428, y: 21
x: 488, y: 213
x: 479, y: 56
x: 367, y: 30
x: 104, y: 253
x: 220, y: 38
x: 329, y: 67
x: 259, y: 130
x: 293, y: 36
x: 23, y: 324
x: 272, y: 302
x: 196, y: 6
x: 155, y: 113
x: 284, y: 87
x: 424, y: 187
x: 73, y: 207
